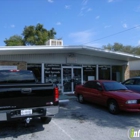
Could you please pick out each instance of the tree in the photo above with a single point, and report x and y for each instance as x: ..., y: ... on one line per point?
x: 137, y: 50
x: 35, y: 35
x: 14, y: 40
x: 121, y: 48
x: 32, y: 35
x: 115, y: 47
x: 52, y: 33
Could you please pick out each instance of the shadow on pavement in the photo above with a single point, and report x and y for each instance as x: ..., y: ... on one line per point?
x: 97, y: 114
x: 18, y: 128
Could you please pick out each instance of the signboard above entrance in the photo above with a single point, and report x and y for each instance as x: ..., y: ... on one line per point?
x: 71, y: 58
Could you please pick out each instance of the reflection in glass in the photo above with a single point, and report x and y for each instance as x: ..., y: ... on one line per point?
x: 36, y: 68
x: 67, y: 79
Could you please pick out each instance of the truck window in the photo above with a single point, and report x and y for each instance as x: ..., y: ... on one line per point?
x: 7, y: 76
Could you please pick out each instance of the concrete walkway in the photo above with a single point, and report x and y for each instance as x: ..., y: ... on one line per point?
x: 66, y: 98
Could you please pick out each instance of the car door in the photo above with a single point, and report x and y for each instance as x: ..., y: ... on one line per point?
x: 98, y: 93
x: 86, y: 90
x: 91, y: 96
x: 95, y: 94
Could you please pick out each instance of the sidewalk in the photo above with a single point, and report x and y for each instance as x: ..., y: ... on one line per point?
x: 66, y: 98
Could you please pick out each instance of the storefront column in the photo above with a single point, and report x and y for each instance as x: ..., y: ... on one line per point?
x: 126, y: 71
x: 110, y: 72
x: 82, y: 76
x: 97, y: 72
x: 42, y: 73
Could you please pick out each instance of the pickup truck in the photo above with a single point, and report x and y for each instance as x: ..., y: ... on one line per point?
x: 23, y: 98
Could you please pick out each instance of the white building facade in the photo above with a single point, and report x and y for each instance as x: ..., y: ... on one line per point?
x: 68, y: 65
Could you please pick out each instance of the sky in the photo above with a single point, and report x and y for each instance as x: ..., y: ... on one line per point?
x: 77, y: 22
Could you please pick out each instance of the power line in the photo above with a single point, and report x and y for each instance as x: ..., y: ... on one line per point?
x: 114, y: 34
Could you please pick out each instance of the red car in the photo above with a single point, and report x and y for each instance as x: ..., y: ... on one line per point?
x: 112, y: 94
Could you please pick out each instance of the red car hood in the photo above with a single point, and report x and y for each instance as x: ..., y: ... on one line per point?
x: 126, y: 94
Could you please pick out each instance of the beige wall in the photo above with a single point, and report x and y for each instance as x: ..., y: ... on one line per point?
x: 20, y: 65
x: 134, y: 73
x: 126, y: 72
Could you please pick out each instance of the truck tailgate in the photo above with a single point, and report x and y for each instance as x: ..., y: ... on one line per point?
x: 15, y: 96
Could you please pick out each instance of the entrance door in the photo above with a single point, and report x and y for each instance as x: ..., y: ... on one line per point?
x: 71, y: 78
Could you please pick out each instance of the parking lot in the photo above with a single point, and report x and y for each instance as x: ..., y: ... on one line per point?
x: 75, y: 121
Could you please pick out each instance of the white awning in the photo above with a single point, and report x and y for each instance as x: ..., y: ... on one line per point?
x: 85, y: 50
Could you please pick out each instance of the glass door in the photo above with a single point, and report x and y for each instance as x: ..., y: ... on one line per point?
x: 77, y: 77
x: 71, y: 77
x: 67, y: 76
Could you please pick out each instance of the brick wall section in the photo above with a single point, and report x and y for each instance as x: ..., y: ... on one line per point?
x: 126, y: 72
x: 20, y: 65
x: 134, y: 73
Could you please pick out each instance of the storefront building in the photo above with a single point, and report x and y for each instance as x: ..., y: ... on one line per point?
x: 67, y: 66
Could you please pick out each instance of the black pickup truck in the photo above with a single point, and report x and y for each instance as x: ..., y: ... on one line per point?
x: 22, y: 97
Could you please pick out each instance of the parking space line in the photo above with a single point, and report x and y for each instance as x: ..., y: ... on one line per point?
x: 62, y: 130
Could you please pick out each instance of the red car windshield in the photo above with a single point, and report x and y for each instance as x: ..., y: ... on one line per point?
x: 112, y: 86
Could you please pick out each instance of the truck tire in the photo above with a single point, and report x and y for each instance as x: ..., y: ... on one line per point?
x: 45, y: 120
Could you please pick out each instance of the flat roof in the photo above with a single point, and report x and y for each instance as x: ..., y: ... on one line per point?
x: 84, y: 50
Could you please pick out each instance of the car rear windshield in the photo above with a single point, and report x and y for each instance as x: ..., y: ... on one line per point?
x: 23, y: 76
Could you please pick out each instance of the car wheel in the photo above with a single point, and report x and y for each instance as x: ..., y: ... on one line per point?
x: 45, y: 120
x: 81, y: 98
x: 113, y: 107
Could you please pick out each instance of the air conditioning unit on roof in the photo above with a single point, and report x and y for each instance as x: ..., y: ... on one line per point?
x: 54, y: 42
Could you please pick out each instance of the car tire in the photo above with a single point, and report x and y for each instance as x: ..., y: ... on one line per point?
x: 113, y: 107
x: 81, y: 99
x: 45, y: 120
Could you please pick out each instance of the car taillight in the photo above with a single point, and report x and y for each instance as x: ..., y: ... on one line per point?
x: 56, y: 92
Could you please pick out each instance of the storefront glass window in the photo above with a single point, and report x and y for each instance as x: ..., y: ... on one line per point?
x: 36, y: 68
x: 104, y: 72
x: 52, y: 73
x: 89, y: 73
x: 117, y: 73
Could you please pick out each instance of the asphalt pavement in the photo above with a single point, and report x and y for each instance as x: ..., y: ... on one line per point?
x: 75, y: 121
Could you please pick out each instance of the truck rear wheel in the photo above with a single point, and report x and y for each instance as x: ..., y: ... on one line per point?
x: 45, y: 120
